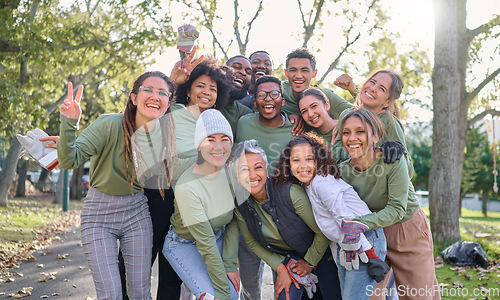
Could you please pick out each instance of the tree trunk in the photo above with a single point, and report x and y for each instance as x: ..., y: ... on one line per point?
x: 22, y: 175
x: 60, y: 188
x: 9, y: 170
x: 75, y: 187
x: 484, y: 204
x: 444, y: 177
x: 44, y: 175
x: 463, y: 108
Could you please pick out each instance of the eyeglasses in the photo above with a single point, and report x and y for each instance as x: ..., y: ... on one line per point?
x: 263, y: 95
x: 151, y: 91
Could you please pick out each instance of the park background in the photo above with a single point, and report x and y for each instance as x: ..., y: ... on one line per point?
x: 447, y: 52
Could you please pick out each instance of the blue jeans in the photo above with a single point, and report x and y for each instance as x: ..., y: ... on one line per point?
x: 251, y: 270
x: 354, y: 283
x: 185, y: 259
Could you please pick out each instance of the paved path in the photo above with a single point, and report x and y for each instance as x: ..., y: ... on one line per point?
x: 68, y: 277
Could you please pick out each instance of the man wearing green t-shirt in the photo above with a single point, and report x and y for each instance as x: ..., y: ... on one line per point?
x: 300, y: 70
x: 270, y: 126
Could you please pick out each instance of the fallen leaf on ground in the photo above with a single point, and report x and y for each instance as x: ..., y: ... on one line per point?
x: 25, y: 291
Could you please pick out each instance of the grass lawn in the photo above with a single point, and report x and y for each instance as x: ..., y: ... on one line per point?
x: 28, y: 224
x: 473, y: 282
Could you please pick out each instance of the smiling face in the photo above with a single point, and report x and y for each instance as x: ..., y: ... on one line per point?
x: 252, y: 174
x: 302, y: 162
x: 375, y: 93
x: 152, y: 100
x: 203, y: 92
x: 314, y: 111
x: 299, y: 74
x: 261, y: 65
x: 215, y: 150
x: 242, y: 73
x: 358, y: 138
x: 269, y: 109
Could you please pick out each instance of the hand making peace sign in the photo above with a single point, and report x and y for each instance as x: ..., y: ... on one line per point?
x: 183, y: 68
x: 70, y: 108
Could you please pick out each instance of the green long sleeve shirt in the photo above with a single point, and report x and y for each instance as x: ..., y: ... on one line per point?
x: 272, y: 139
x: 185, y: 125
x: 303, y: 209
x: 233, y: 112
x: 337, y: 103
x: 386, y: 189
x: 203, y: 205
x: 103, y: 143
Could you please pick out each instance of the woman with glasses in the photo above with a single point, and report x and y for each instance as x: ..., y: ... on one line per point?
x: 116, y: 208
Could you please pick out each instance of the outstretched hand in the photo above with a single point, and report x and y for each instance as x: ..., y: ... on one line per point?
x: 183, y: 68
x: 70, y: 108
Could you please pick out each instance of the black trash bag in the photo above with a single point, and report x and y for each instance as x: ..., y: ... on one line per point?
x: 465, y: 254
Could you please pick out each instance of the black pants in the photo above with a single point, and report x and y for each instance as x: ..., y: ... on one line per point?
x: 169, y: 284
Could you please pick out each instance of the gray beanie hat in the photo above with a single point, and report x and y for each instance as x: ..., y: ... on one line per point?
x: 210, y: 122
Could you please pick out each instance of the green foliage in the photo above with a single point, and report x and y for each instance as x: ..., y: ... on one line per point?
x: 478, y: 163
x: 102, y: 44
x: 421, y: 155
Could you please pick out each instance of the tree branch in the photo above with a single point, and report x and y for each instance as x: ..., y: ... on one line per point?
x: 470, y: 96
x: 334, y: 64
x: 33, y: 10
x: 480, y: 116
x: 348, y: 43
x: 237, y: 27
x: 472, y: 33
x: 257, y: 12
x: 209, y: 26
x: 85, y: 77
x: 309, y: 28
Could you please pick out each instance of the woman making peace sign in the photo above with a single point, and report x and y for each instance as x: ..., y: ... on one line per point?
x: 115, y: 207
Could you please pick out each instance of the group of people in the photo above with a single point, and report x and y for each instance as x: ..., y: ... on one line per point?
x: 217, y: 169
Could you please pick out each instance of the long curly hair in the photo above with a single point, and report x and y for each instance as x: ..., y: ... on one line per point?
x: 222, y: 75
x: 167, y: 126
x: 323, y: 159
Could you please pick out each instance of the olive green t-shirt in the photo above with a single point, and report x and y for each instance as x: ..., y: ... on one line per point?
x: 272, y: 139
x: 233, y: 112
